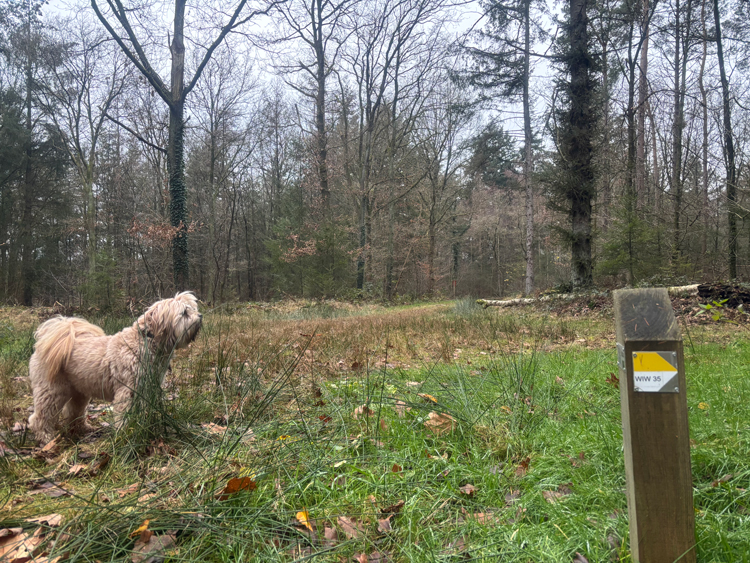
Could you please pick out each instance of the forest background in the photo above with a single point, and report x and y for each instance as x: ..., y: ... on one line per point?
x: 399, y: 148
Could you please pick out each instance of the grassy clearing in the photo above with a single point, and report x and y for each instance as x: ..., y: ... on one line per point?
x: 432, y: 433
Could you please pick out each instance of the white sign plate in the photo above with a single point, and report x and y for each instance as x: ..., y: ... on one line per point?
x: 655, y: 372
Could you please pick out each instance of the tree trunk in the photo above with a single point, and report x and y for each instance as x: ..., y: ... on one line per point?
x: 630, y: 170
x: 432, y: 240
x: 581, y: 188
x: 25, y: 230
x: 363, y: 204
x: 729, y: 157
x: 704, y: 156
x: 175, y: 154
x: 640, y: 156
x: 320, y: 106
x: 678, y: 125
x: 527, y: 162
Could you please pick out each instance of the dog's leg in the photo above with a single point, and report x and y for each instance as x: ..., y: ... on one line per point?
x: 49, y: 400
x: 123, y: 398
x: 74, y: 414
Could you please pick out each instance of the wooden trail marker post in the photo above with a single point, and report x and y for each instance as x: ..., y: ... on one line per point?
x: 654, y: 427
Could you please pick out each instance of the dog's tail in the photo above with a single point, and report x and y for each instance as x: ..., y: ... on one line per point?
x: 55, y: 339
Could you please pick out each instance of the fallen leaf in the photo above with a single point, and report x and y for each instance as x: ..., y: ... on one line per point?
x: 724, y: 479
x: 580, y: 461
x: 413, y: 383
x: 235, y: 485
x: 362, y: 411
x: 303, y: 517
x: 213, y: 428
x: 50, y: 489
x: 76, y: 469
x: 468, y: 489
x: 145, y: 549
x: 50, y: 449
x: 383, y: 425
x: 400, y: 409
x: 331, y: 536
x: 523, y: 468
x: 384, y: 525
x: 51, y: 520
x: 552, y: 496
x: 565, y: 488
x: 13, y: 541
x: 325, y: 419
x: 6, y: 532
x: 559, y: 380
x: 427, y: 397
x: 394, y: 508
x: 102, y: 460
x: 350, y: 529
x: 703, y: 406
x: 51, y: 445
x: 482, y: 517
x: 17, y: 546
x: 142, y: 528
x: 128, y: 490
x: 613, y: 380
x: 396, y: 468
x: 580, y: 558
x: 440, y: 423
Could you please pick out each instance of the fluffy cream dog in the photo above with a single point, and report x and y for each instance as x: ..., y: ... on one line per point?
x: 74, y: 361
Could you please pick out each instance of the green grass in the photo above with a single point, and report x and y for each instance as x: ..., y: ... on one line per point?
x: 535, y: 420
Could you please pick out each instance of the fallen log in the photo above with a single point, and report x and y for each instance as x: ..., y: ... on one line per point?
x: 732, y: 293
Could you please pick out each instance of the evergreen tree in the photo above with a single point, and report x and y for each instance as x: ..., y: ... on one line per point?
x: 575, y: 182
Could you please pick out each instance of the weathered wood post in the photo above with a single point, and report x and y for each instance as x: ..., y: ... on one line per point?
x: 654, y: 427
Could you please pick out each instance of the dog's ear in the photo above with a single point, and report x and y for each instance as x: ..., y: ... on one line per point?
x: 151, y: 322
x: 160, y: 321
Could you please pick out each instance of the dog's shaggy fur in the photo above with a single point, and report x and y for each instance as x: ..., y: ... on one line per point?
x: 74, y: 361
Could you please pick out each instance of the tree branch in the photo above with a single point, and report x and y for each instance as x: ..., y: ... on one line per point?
x: 136, y: 135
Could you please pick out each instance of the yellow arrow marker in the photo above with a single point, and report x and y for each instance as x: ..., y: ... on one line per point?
x: 651, y: 361
x: 651, y: 372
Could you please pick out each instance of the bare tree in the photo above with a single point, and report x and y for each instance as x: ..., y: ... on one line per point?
x: 506, y: 66
x: 85, y: 76
x: 728, y: 146
x: 321, y: 26
x: 118, y: 20
x: 390, y: 37
x: 220, y: 106
x: 443, y: 153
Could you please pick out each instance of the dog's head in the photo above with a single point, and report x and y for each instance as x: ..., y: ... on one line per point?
x: 172, y: 323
